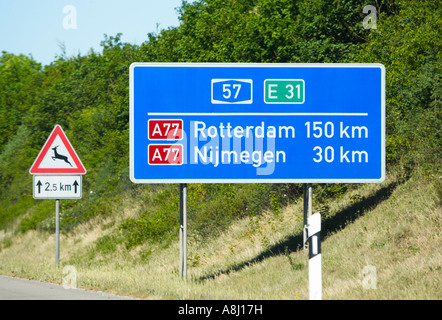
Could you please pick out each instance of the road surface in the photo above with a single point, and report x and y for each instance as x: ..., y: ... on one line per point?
x: 21, y: 289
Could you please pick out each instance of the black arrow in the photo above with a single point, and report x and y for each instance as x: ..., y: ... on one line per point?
x: 39, y: 184
x: 75, y: 185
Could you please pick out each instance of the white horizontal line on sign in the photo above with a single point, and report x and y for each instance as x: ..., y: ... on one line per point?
x: 253, y: 114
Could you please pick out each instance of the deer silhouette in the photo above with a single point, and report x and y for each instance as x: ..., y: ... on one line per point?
x: 60, y: 156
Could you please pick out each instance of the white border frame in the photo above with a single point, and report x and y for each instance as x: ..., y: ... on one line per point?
x: 261, y: 65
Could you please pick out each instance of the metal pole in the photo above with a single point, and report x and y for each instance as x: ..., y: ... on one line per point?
x: 183, y: 231
x: 308, y: 208
x: 57, y: 231
x: 305, y: 202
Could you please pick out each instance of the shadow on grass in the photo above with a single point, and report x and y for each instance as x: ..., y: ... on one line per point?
x: 329, y: 226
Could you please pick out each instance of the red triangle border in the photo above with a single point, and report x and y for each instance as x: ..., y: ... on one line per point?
x: 58, y: 131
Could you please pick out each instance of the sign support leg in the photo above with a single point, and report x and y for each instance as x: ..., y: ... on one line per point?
x: 57, y: 231
x: 308, y: 208
x: 183, y: 231
x: 304, y: 223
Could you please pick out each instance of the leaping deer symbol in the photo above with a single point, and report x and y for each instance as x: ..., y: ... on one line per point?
x: 60, y: 156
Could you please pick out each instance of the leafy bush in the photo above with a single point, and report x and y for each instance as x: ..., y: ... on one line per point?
x: 154, y: 227
x: 42, y: 211
x: 406, y: 43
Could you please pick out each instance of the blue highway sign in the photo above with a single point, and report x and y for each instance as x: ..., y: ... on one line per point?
x: 246, y: 123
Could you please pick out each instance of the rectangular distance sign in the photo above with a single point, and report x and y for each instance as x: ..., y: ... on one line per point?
x: 245, y: 123
x: 57, y: 187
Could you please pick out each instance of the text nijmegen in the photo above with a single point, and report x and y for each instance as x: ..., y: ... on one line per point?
x: 254, y: 154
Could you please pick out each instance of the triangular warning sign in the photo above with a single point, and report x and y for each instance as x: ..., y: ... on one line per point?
x: 57, y: 156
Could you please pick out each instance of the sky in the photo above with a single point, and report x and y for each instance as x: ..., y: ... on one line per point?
x: 42, y: 27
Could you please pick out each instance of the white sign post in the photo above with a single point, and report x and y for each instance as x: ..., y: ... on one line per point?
x: 315, y: 263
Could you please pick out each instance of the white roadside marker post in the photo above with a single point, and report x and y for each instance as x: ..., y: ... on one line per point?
x: 315, y: 263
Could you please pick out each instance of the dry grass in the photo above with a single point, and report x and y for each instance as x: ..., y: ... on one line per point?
x: 394, y: 227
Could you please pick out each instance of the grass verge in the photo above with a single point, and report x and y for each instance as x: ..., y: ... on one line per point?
x: 379, y: 241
